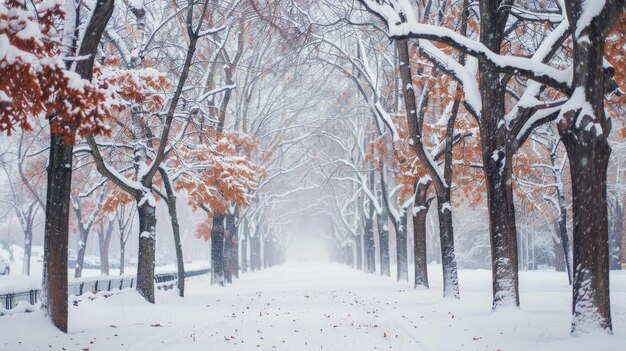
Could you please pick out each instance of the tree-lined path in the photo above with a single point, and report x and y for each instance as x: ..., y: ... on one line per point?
x: 467, y: 150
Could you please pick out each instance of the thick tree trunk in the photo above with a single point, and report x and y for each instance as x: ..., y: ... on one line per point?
x: 56, y: 231
x: 80, y: 255
x: 217, y: 250
x: 446, y: 235
x: 502, y: 230
x: 147, y: 248
x: 420, y: 211
x: 584, y: 132
x: 383, y: 238
x: 588, y: 164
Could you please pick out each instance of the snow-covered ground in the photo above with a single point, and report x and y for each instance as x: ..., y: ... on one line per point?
x: 323, y: 306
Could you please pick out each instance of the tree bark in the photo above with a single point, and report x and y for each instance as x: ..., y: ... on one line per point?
x: 122, y: 246
x: 420, y: 211
x: 559, y: 255
x: 402, y: 273
x: 591, y: 305
x: 28, y: 245
x: 80, y: 254
x: 359, y: 252
x: 616, y: 225
x: 244, y: 248
x: 56, y: 231
x: 564, y: 240
x: 217, y: 250
x: 370, y: 245
x: 104, y: 240
x: 147, y: 248
x: 502, y: 230
x: 229, y: 247
x: 383, y: 238
x: 255, y: 252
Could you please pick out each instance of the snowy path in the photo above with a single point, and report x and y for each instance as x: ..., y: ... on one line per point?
x: 321, y: 306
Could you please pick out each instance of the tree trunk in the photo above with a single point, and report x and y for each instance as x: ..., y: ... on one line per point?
x: 235, y: 262
x: 383, y: 238
x: 243, y: 255
x: 616, y: 217
x: 230, y: 247
x: 359, y: 252
x: 502, y: 230
x: 584, y: 133
x: 147, y: 247
x: 420, y: 211
x: 564, y: 239
x: 559, y: 255
x: 255, y: 253
x: 80, y: 255
x: 54, y: 286
x: 402, y: 273
x: 497, y: 161
x: 104, y: 239
x: 28, y: 245
x: 446, y: 235
x: 244, y: 249
x: 217, y: 250
x: 370, y: 245
x: 588, y: 164
x: 54, y: 299
x: 268, y: 252
x: 172, y: 210
x: 122, y: 253
x: 180, y: 263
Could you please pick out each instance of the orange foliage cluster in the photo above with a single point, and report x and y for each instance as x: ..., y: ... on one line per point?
x: 135, y: 86
x: 116, y: 197
x: 221, y: 171
x: 203, y: 231
x: 34, y: 78
x: 616, y: 55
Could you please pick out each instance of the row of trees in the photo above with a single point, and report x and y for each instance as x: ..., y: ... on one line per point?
x: 513, y: 68
x: 257, y: 114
